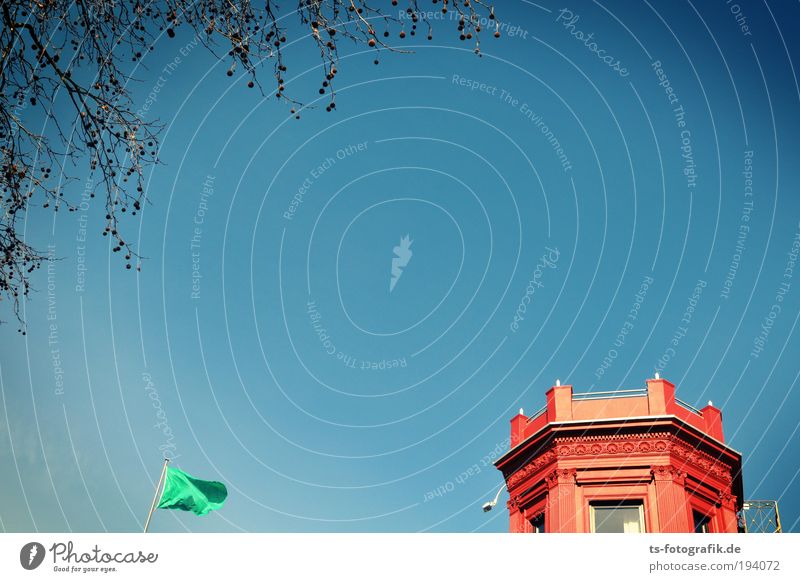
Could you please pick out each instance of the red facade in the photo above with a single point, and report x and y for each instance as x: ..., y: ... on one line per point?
x: 627, y: 461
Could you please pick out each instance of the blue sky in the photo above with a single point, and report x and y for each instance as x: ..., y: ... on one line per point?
x: 261, y: 345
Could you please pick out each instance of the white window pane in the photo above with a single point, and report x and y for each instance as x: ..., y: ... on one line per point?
x: 617, y: 518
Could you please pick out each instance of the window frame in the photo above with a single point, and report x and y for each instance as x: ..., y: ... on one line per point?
x: 609, y: 503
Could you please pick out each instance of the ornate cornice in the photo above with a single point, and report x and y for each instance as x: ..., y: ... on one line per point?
x: 643, y: 444
x: 707, y: 463
x: 614, y: 446
x: 627, y: 445
x: 627, y: 436
x: 529, y: 469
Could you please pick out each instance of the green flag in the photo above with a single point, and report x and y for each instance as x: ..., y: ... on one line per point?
x: 182, y: 491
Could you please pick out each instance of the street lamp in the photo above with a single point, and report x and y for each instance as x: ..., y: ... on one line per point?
x: 490, y: 504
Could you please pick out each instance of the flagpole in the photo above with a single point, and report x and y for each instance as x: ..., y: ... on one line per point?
x: 155, y: 497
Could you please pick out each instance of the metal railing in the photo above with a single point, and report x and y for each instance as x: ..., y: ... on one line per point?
x: 604, y: 395
x: 689, y: 407
x: 542, y: 410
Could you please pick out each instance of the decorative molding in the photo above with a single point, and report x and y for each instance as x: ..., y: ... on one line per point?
x: 631, y: 444
x: 668, y: 473
x: 643, y: 444
x: 561, y: 477
x: 636, y: 436
x: 727, y: 500
x: 529, y: 469
x: 702, y: 460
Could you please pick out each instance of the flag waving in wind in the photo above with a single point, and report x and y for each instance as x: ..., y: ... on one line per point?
x: 182, y: 491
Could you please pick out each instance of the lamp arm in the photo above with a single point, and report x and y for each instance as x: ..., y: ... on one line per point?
x: 499, y: 491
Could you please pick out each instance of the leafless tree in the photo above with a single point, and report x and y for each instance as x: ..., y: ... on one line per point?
x: 82, y: 53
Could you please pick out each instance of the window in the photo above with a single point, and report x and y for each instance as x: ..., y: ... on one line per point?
x: 701, y: 522
x: 617, y: 517
x: 538, y: 523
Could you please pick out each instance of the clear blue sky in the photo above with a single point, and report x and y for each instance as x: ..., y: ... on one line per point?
x: 328, y: 403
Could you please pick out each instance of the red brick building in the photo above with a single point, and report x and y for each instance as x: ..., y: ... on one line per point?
x: 623, y: 461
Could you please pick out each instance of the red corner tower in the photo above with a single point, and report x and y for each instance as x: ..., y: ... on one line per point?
x: 622, y: 461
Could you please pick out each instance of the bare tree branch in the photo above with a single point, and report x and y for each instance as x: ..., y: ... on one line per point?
x: 82, y: 52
